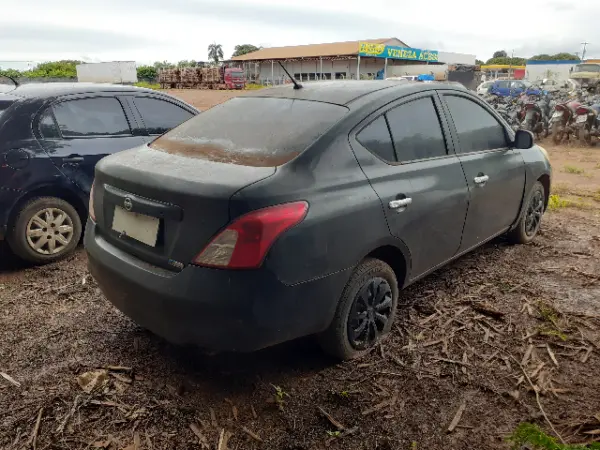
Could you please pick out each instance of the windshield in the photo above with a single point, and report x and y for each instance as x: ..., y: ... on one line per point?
x: 237, y: 75
x: 587, y: 68
x: 252, y: 131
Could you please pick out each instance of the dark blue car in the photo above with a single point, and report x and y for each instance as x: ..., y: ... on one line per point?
x: 513, y: 88
x: 51, y: 137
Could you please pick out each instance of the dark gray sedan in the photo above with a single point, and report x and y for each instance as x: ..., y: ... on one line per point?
x: 294, y: 212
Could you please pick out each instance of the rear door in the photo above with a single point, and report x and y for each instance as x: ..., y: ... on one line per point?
x: 417, y: 177
x: 77, y: 132
x: 158, y: 114
x: 495, y: 172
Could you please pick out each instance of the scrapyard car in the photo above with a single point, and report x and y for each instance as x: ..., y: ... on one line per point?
x: 51, y: 137
x: 294, y: 212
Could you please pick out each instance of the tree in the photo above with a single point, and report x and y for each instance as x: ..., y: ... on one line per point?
x: 215, y: 52
x: 500, y: 54
x: 12, y: 73
x: 146, y: 73
x: 516, y: 61
x: 55, y: 69
x: 163, y: 65
x: 186, y: 63
x: 242, y: 49
x: 479, y: 62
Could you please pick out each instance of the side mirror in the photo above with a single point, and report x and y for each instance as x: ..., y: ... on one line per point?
x: 523, y: 139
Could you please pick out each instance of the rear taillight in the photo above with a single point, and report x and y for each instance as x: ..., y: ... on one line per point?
x: 246, y: 241
x: 91, y: 204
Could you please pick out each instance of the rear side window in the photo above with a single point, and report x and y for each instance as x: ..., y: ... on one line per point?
x: 101, y: 116
x: 4, y: 105
x: 416, y: 130
x: 160, y: 116
x: 48, y: 127
x: 477, y: 129
x: 502, y: 84
x: 252, y: 131
x: 376, y: 138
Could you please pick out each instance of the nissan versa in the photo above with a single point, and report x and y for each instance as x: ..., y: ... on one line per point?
x: 300, y: 211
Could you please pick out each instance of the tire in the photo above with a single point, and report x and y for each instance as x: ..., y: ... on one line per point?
x: 28, y: 231
x: 526, y: 230
x: 371, y: 273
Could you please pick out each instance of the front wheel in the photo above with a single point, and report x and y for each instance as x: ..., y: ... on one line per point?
x: 531, y: 219
x: 46, y: 230
x: 365, y: 311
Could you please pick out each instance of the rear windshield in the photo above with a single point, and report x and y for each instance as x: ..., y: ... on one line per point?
x: 252, y: 131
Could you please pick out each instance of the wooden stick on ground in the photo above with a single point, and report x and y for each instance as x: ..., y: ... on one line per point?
x: 36, y: 428
x: 457, y: 416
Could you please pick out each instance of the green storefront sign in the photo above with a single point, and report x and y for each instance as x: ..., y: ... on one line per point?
x: 394, y: 52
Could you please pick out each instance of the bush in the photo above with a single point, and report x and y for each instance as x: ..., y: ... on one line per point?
x: 55, y: 69
x: 146, y: 73
x: 147, y: 85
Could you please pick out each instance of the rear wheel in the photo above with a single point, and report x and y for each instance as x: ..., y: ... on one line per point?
x: 46, y: 230
x: 530, y: 221
x: 365, y: 312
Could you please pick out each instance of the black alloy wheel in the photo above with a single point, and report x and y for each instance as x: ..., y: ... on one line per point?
x: 370, y: 313
x: 534, y: 213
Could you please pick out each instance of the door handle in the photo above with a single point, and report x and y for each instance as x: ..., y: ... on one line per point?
x: 73, y: 159
x: 481, y: 179
x: 400, y: 203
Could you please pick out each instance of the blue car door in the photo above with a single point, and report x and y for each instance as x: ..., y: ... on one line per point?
x: 501, y: 88
x: 78, y: 131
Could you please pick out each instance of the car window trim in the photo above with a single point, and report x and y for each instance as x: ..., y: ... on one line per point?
x: 448, y: 142
x: 38, y: 122
x: 160, y: 98
x: 485, y: 106
x: 96, y: 136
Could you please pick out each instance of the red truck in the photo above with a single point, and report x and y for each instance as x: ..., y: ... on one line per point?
x: 234, y: 78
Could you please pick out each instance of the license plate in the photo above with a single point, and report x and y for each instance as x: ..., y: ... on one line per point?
x: 581, y: 119
x: 137, y: 226
x: 557, y: 114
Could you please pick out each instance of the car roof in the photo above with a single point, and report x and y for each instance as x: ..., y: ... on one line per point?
x: 345, y: 92
x: 44, y: 90
x: 337, y: 92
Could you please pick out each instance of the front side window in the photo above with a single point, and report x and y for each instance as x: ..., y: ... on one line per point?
x: 477, y: 129
x: 416, y: 130
x: 376, y: 138
x: 160, y: 116
x: 100, y: 116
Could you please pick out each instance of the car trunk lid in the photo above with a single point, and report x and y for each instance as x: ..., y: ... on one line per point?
x: 162, y: 207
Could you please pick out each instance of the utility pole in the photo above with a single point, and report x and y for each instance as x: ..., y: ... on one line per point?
x: 583, y: 52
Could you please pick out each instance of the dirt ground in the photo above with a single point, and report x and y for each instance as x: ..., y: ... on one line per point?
x: 503, y: 335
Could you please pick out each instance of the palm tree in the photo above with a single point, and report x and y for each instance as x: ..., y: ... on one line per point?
x: 215, y: 52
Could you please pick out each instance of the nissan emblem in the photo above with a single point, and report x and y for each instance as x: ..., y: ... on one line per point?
x: 128, y: 204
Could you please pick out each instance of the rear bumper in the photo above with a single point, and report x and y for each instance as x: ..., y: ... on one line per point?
x: 215, y: 309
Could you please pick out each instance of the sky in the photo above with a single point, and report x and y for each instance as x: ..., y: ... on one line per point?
x: 155, y: 30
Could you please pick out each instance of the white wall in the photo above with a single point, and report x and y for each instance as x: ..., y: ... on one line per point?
x: 456, y: 58
x: 536, y: 72
x: 417, y: 69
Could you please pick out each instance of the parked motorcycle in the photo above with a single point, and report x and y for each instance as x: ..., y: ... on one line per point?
x: 585, y: 126
x: 562, y: 119
x: 534, y: 114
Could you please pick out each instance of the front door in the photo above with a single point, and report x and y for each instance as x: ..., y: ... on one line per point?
x: 417, y: 177
x: 76, y: 133
x: 494, y: 171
